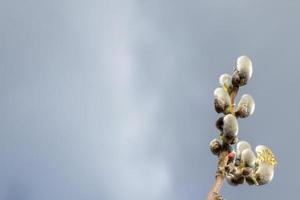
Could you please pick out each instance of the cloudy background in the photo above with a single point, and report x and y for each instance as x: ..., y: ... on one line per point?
x: 112, y: 100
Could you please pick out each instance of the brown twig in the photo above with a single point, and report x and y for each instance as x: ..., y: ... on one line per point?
x: 220, y: 175
x: 223, y: 159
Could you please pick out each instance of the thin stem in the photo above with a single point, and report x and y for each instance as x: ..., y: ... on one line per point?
x: 223, y: 159
x: 220, y: 175
x: 232, y: 98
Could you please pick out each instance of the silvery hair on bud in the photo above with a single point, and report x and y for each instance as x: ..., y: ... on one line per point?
x: 248, y: 157
x: 261, y: 148
x: 265, y: 164
x: 244, y: 67
x: 240, y: 147
x: 246, y: 106
x: 222, y: 99
x: 230, y: 127
x: 225, y: 80
x: 264, y: 173
x: 243, y: 71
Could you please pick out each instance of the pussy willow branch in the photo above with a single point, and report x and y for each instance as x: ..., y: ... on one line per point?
x: 223, y: 159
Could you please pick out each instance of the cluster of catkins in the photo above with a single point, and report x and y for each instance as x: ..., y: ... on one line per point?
x: 243, y: 165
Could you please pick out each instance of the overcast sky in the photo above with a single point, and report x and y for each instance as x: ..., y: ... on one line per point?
x: 113, y: 100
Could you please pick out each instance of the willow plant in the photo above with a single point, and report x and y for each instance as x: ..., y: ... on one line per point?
x: 237, y: 163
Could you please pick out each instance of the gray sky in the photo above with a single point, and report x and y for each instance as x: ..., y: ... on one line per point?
x: 113, y: 99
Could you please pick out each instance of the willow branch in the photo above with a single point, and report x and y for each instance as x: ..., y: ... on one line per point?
x: 223, y: 159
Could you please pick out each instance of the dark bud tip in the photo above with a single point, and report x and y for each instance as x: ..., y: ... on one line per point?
x: 236, y: 180
x: 234, y: 141
x: 220, y: 124
x: 215, y: 147
x: 250, y: 180
x: 240, y: 179
x: 238, y: 80
x: 235, y: 79
x: 218, y: 106
x: 246, y: 171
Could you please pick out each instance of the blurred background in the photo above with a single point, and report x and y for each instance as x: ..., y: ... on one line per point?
x: 113, y: 100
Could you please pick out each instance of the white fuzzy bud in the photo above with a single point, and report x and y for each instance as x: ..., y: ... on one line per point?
x: 264, y: 173
x: 248, y: 158
x: 244, y: 66
x: 246, y: 106
x: 222, y: 99
x: 265, y: 155
x: 261, y: 148
x: 240, y: 147
x: 215, y: 146
x: 243, y: 71
x: 225, y: 81
x: 266, y: 162
x: 230, y: 127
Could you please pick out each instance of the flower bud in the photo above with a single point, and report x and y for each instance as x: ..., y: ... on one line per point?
x: 231, y: 156
x: 240, y: 147
x: 265, y: 155
x: 222, y: 100
x: 244, y: 66
x: 248, y: 158
x: 266, y: 162
x: 264, y: 173
x: 245, y: 107
x: 243, y: 71
x: 251, y: 180
x: 231, y: 180
x: 230, y: 127
x: 215, y: 146
x: 228, y: 139
x: 235, y: 180
x: 225, y: 81
x: 220, y: 124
